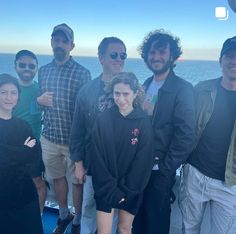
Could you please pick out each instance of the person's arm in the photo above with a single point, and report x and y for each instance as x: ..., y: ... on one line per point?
x: 45, y: 99
x: 26, y: 152
x: 140, y: 170
x: 78, y: 131
x: 104, y: 183
x: 77, y: 137
x: 184, y: 132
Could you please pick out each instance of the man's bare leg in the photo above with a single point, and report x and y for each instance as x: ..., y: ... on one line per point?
x: 42, y: 191
x: 61, y: 191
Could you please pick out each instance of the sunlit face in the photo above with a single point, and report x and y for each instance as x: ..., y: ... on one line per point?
x: 113, y: 64
x: 8, y: 97
x: 26, y: 68
x: 61, y: 46
x: 159, y: 59
x: 228, y: 65
x: 124, y: 97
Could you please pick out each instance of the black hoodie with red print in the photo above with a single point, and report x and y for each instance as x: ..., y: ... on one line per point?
x: 122, y: 159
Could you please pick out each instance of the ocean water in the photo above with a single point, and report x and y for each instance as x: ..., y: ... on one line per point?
x: 193, y: 71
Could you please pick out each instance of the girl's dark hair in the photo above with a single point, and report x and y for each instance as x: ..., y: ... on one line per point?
x: 130, y: 79
x: 8, y: 79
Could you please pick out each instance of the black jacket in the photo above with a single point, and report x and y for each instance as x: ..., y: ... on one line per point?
x: 122, y: 158
x: 16, y: 186
x: 86, y: 111
x: 173, y: 123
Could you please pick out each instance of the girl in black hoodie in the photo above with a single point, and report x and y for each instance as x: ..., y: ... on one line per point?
x: 19, y: 207
x: 122, y: 155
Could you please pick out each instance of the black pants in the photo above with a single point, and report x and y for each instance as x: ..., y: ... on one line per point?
x: 25, y: 220
x: 154, y: 214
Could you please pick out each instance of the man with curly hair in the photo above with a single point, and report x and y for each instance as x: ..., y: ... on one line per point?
x: 169, y: 102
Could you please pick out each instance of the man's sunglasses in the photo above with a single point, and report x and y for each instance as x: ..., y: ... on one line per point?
x: 30, y: 66
x: 114, y: 55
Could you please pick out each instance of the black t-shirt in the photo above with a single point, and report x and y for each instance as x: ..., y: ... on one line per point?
x: 211, y: 152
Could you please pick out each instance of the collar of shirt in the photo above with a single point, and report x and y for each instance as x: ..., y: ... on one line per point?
x: 68, y: 63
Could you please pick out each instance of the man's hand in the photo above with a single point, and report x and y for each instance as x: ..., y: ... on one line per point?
x: 80, y: 172
x: 46, y: 99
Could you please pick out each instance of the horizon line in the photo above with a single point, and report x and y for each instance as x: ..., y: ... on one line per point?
x: 91, y: 56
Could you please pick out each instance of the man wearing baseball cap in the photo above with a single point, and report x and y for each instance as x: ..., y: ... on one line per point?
x: 68, y: 32
x: 59, y: 82
x: 209, y: 177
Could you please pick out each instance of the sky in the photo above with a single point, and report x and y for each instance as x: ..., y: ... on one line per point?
x: 28, y: 24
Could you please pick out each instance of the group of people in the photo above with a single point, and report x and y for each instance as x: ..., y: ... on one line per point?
x: 121, y: 143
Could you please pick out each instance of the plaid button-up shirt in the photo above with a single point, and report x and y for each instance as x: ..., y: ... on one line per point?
x: 64, y: 81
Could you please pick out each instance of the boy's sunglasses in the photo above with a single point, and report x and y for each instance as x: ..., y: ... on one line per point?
x: 114, y: 55
x: 30, y: 66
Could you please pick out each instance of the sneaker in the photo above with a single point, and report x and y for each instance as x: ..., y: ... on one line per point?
x: 75, y: 229
x: 62, y: 224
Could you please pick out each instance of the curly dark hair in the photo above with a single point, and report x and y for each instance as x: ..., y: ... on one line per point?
x: 163, y: 39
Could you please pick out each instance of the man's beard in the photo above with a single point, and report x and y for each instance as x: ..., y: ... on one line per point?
x: 59, y: 54
x: 26, y: 78
x: 164, y: 69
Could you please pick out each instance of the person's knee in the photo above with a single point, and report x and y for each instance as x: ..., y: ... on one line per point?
x: 103, y: 231
x: 124, y: 228
x: 60, y: 181
x: 39, y: 183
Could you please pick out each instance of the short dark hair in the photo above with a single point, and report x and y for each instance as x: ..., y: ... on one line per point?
x: 8, y: 79
x: 164, y: 38
x: 106, y: 42
x: 130, y: 79
x: 22, y: 53
x: 228, y: 45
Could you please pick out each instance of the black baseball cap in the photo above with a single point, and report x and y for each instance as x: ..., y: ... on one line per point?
x: 229, y: 44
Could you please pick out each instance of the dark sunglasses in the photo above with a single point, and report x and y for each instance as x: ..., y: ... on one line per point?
x: 30, y: 66
x: 114, y: 55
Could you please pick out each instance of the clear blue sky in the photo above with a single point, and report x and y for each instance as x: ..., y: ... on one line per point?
x: 28, y: 24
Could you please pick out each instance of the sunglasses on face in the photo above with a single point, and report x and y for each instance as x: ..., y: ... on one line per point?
x: 30, y: 66
x: 114, y: 55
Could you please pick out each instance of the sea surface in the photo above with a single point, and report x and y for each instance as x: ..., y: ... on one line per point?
x: 191, y: 70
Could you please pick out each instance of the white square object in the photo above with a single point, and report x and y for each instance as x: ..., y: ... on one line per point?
x: 221, y: 12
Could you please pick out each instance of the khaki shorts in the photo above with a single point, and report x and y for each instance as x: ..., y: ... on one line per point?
x: 57, y: 161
